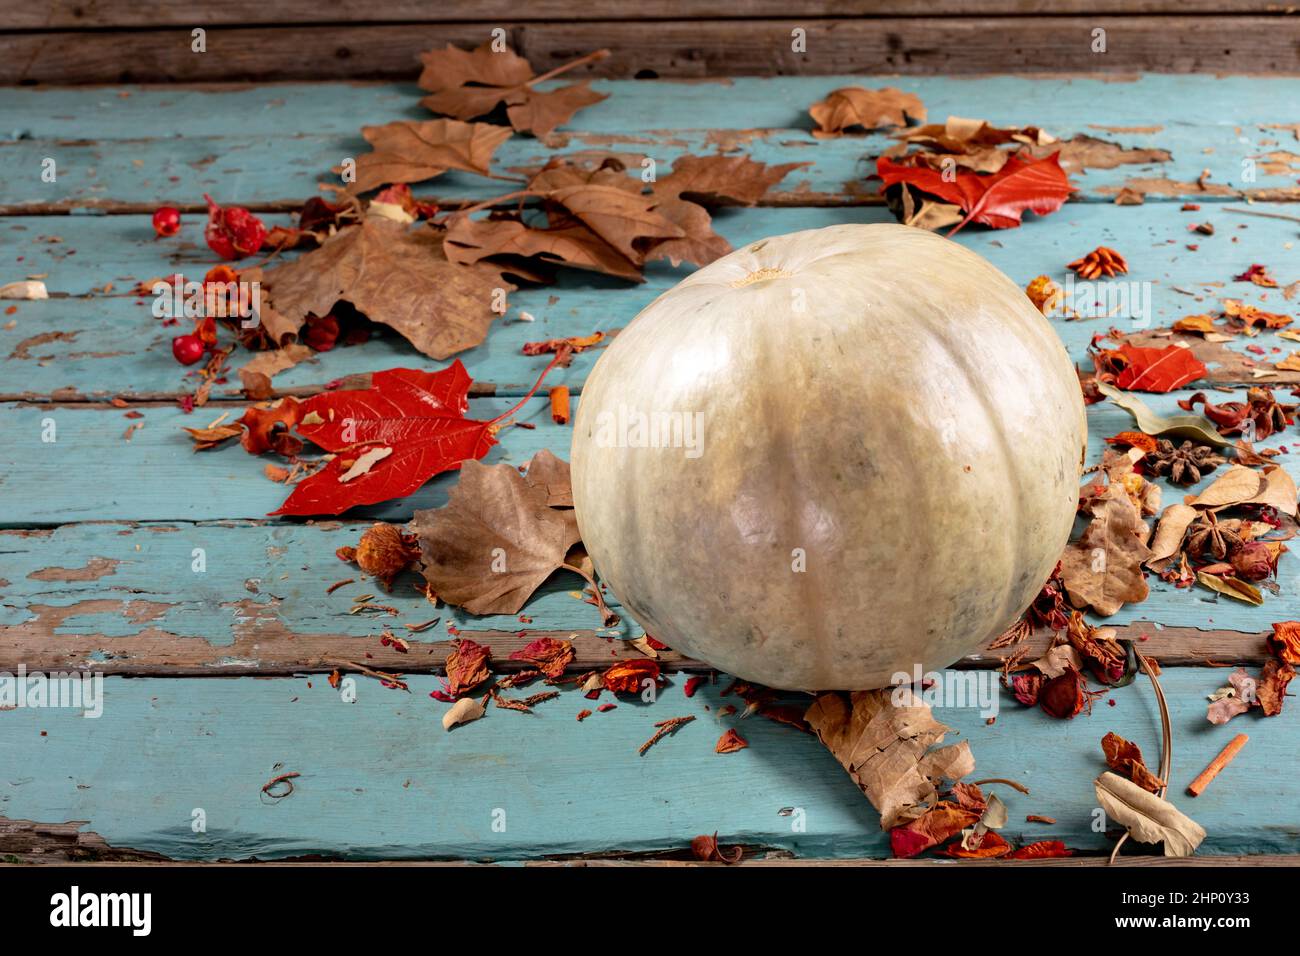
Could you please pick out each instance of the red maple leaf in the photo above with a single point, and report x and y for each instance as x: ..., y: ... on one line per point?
x: 419, y: 415
x: 1158, y: 370
x: 999, y: 200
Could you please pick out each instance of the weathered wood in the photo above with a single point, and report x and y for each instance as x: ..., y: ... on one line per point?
x: 26, y: 842
x: 72, y: 14
x: 380, y: 779
x: 691, y: 48
x: 278, y: 174
x: 90, y: 597
x: 1130, y: 103
x: 95, y: 346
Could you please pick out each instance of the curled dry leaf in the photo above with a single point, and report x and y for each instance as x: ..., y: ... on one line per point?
x: 1168, y: 539
x: 396, y: 276
x: 548, y: 654
x: 1125, y: 758
x: 1103, y: 568
x: 1235, y: 486
x: 937, y: 824
x: 1192, y: 427
x: 730, y: 742
x: 855, y: 107
x: 467, y: 667
x: 462, y: 712
x: 882, y: 738
x: 706, y: 849
x: 1149, y: 819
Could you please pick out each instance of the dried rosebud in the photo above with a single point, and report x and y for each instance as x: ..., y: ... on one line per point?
x: 385, y: 551
x: 1063, y: 696
x: 1253, y: 561
x: 1026, y: 688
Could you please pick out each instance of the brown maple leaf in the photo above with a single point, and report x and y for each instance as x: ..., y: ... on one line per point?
x: 396, y: 276
x: 408, y: 152
x: 472, y: 240
x: 468, y: 84
x: 853, y: 106
x: 496, y: 540
x: 1125, y: 758
x: 721, y: 179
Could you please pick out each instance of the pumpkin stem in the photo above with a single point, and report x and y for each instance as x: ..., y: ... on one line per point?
x: 610, y: 618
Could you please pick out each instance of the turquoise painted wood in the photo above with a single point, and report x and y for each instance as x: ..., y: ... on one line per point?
x: 380, y: 779
x: 260, y: 171
x: 112, y: 344
x: 280, y: 109
x: 156, y: 478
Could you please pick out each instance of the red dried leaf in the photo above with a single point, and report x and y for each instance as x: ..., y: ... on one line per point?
x: 706, y: 848
x: 467, y: 667
x: 934, y: 826
x: 991, y: 847
x: 1042, y: 850
x: 419, y: 415
x: 547, y: 654
x: 1038, y: 186
x: 268, y: 428
x: 628, y: 677
x: 1157, y: 370
x: 730, y: 742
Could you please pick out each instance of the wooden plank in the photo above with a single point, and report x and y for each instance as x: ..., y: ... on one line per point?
x: 1056, y: 102
x: 91, y: 594
x: 277, y: 174
x: 693, y: 48
x: 68, y: 14
x: 109, y: 345
x: 91, y: 597
x: 380, y: 779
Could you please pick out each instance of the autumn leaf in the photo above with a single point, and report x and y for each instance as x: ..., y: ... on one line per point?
x: 398, y: 277
x: 470, y: 241
x: 629, y: 677
x: 1149, y: 819
x: 939, y: 823
x: 991, y: 846
x: 409, y: 152
x: 548, y: 654
x: 419, y: 415
x: 1039, y: 186
x: 730, y: 742
x: 551, y: 473
x: 855, y: 107
x: 1103, y: 568
x: 1157, y: 370
x: 1042, y: 850
x: 721, y: 179
x: 1125, y: 758
x: 886, y: 747
x: 1195, y: 427
x: 467, y: 667
x: 468, y: 84
x: 495, y: 542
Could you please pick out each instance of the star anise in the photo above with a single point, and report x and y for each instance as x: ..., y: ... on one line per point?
x: 1185, y: 464
x: 1207, y: 537
x: 1101, y: 261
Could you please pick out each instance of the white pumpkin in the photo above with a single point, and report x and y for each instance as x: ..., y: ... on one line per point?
x: 874, y: 450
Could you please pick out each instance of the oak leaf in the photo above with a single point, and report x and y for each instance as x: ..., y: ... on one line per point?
x: 721, y: 179
x: 396, y: 276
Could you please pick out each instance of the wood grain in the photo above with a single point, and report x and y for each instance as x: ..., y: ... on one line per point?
x: 380, y: 779
x: 694, y: 48
x: 73, y: 14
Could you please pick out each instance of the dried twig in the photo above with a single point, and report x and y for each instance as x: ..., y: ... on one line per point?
x: 1166, y: 740
x: 666, y: 727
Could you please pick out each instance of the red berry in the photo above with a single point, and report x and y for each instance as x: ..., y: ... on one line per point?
x: 187, y: 349
x: 167, y: 221
x: 233, y: 232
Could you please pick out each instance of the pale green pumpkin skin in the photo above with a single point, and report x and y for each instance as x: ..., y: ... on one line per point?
x: 875, y: 398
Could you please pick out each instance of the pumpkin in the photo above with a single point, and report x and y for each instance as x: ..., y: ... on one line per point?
x: 831, y: 457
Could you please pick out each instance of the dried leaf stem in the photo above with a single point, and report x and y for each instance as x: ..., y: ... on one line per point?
x: 1166, y: 741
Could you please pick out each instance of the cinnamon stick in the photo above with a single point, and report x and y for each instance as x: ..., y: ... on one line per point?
x: 1197, y: 786
x: 560, y: 404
